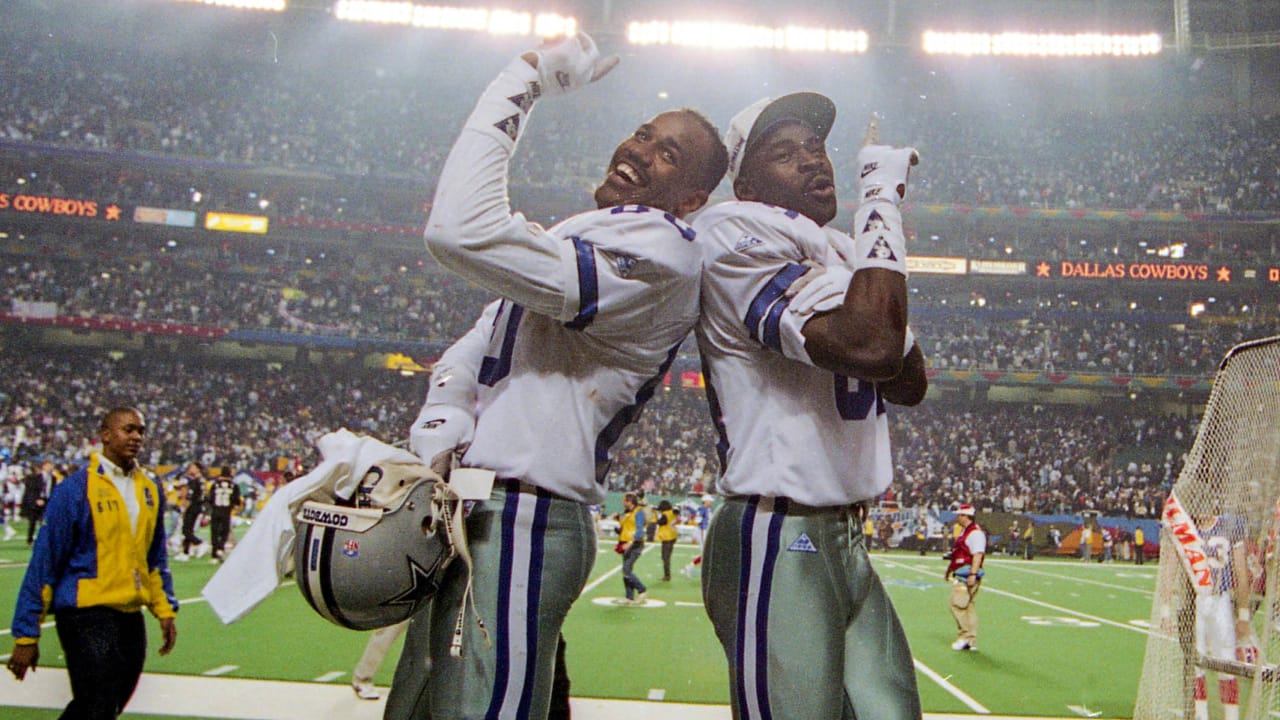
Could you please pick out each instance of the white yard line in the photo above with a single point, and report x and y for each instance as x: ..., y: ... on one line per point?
x: 942, y: 682
x: 1056, y: 608
x: 278, y: 700
x: 596, y: 583
x: 1140, y: 591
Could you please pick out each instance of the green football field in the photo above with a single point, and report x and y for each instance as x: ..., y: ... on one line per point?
x: 1058, y: 638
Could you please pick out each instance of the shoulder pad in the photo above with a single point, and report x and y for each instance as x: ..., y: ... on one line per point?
x: 635, y: 216
x: 754, y: 212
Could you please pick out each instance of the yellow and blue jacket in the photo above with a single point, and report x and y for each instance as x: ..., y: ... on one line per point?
x: 632, y: 526
x: 87, y: 554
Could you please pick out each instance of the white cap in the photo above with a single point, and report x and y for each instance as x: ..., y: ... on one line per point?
x: 708, y: 498
x: 747, y: 127
x: 965, y: 509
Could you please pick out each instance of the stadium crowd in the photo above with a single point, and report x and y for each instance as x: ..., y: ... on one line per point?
x: 298, y: 289
x: 1081, y: 342
x: 243, y: 416
x: 397, y: 293
x: 362, y: 120
x: 1038, y: 459
x: 251, y: 416
x: 345, y: 142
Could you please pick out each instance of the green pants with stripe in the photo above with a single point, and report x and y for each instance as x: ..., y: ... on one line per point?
x: 533, y: 554
x: 807, y: 627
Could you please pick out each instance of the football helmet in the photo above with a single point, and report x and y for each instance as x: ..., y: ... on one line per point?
x: 373, y: 562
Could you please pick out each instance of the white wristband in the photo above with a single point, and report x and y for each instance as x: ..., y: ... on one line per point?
x: 908, y: 342
x: 1243, y: 614
x: 877, y: 238
x: 504, y: 107
x: 439, y: 428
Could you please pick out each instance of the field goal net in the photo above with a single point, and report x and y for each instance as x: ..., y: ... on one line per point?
x: 1220, y: 557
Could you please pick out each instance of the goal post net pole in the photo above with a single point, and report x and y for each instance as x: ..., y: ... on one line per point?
x: 1231, y: 471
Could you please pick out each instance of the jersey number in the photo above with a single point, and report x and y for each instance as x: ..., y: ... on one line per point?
x: 856, y: 404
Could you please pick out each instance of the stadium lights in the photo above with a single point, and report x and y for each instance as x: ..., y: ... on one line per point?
x: 1176, y: 251
x: 442, y: 17
x: 273, y: 5
x: 735, y: 36
x: 1040, y: 44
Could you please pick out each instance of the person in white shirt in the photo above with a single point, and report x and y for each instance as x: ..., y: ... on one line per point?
x: 803, y: 335
x: 592, y: 312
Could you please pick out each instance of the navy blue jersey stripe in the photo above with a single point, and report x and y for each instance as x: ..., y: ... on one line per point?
x: 773, y: 325
x: 493, y: 369
x: 588, y: 285
x: 627, y: 415
x: 717, y: 417
x: 763, y: 305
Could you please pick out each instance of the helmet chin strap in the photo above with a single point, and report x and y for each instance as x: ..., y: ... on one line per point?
x: 449, y: 507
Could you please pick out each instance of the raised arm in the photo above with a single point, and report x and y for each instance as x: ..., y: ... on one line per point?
x: 471, y: 229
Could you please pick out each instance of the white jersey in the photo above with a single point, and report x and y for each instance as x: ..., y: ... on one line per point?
x: 555, y: 394
x: 592, y: 314
x: 1221, y: 537
x: 787, y: 427
x: 552, y: 395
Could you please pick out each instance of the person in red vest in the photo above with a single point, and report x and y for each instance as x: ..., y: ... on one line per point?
x: 966, y: 556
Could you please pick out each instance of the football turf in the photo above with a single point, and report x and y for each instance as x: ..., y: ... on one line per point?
x: 1058, y: 638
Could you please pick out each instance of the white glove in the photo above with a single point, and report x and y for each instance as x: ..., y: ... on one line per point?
x: 883, y: 170
x: 819, y: 290
x: 439, y: 432
x: 571, y: 63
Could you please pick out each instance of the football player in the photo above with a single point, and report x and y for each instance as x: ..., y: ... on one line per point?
x: 591, y: 315
x: 803, y: 335
x: 1224, y: 614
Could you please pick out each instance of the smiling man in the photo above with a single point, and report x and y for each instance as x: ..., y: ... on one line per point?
x: 804, y: 337
x: 100, y: 559
x: 591, y: 314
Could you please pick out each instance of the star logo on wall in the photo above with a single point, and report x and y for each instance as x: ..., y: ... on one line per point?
x: 1042, y: 269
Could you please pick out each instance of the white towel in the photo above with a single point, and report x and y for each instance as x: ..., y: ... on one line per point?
x: 264, y: 556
